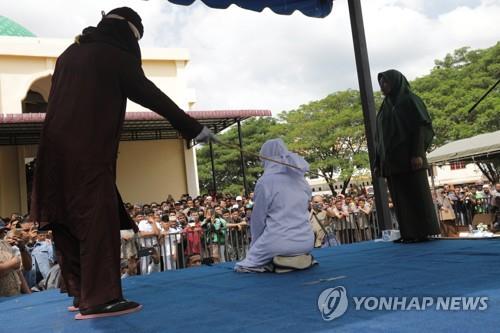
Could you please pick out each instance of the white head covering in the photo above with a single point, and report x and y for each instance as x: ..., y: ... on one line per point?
x: 276, y: 149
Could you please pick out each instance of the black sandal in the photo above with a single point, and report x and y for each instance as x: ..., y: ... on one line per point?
x: 76, y: 305
x: 113, y: 308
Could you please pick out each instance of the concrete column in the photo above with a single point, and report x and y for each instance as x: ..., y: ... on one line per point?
x: 10, y: 200
x: 25, y: 154
x: 191, y: 171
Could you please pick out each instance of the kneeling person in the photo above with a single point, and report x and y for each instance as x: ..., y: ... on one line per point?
x: 281, y: 233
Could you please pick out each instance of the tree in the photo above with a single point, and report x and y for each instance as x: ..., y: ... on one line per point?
x: 255, y: 132
x: 490, y: 167
x: 454, y: 85
x: 329, y: 134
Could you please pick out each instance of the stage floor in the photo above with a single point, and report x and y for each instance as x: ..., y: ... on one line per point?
x: 215, y: 299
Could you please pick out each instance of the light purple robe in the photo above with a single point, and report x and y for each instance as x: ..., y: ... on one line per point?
x: 279, y: 223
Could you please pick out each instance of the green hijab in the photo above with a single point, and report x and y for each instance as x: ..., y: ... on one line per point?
x: 401, y: 114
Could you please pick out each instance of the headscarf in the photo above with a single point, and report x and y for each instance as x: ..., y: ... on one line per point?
x: 401, y: 114
x: 276, y: 149
x: 399, y: 84
x: 115, y: 31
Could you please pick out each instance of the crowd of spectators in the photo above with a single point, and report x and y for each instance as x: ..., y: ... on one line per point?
x: 205, y: 230
x: 343, y: 219
x: 27, y: 258
x: 468, y: 205
x: 192, y: 231
x: 172, y: 234
x: 185, y: 233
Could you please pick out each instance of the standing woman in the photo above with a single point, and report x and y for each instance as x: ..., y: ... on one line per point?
x: 446, y: 215
x: 404, y: 133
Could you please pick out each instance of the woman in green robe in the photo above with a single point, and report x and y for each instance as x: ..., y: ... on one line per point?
x: 404, y: 133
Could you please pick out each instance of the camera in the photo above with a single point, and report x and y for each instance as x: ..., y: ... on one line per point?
x: 318, y: 206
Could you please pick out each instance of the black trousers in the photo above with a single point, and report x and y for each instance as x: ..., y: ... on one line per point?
x: 90, y: 265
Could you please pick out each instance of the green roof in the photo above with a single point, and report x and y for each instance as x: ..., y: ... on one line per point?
x: 11, y: 28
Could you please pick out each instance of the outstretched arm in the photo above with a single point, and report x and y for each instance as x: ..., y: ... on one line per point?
x: 138, y: 88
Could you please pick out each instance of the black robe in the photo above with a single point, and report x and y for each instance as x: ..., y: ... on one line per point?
x: 404, y: 131
x: 81, y: 133
x: 74, y: 186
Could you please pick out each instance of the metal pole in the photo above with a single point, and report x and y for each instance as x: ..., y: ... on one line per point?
x: 242, y: 159
x: 368, y: 104
x: 482, y: 97
x: 434, y: 198
x: 214, y: 184
x: 432, y: 178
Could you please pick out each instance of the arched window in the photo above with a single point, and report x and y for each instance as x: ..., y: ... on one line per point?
x: 37, y: 96
x: 34, y: 103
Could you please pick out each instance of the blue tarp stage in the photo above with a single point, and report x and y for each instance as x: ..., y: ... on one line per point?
x: 215, y: 299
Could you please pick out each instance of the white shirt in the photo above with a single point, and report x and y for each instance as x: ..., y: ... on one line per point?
x: 145, y: 226
x: 171, y: 240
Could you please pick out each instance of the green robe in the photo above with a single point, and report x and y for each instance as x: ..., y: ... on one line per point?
x: 404, y: 130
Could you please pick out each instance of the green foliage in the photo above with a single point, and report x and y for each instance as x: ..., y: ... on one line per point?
x: 452, y: 88
x: 228, y: 173
x: 330, y: 133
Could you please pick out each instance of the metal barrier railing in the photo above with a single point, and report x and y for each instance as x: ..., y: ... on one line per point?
x: 356, y: 227
x: 465, y: 210
x: 182, y: 249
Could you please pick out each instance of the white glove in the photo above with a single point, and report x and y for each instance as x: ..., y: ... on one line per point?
x: 206, y: 136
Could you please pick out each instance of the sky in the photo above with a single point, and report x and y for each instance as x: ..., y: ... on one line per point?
x: 246, y: 60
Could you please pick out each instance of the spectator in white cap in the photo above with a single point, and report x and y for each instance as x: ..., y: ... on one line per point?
x: 238, y: 203
x: 488, y: 201
x: 209, y: 202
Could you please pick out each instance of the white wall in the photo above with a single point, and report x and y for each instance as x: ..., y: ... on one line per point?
x: 23, y: 60
x: 168, y: 166
x: 445, y: 175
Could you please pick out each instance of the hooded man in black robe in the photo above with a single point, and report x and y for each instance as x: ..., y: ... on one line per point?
x: 404, y: 133
x: 74, y: 187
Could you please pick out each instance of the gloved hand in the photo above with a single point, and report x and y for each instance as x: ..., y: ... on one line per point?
x: 206, y: 136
